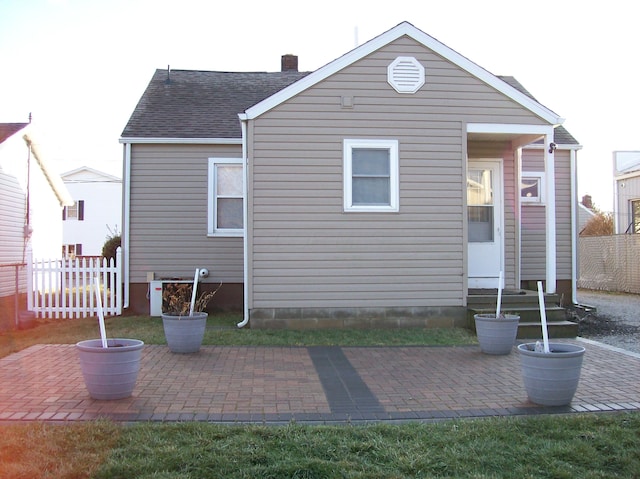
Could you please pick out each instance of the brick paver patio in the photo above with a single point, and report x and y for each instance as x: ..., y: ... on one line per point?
x: 280, y: 384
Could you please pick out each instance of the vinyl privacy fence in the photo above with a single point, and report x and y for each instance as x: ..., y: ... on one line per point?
x: 610, y: 263
x: 67, y: 288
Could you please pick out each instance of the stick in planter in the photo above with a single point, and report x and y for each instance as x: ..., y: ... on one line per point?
x: 499, y: 295
x: 193, y: 293
x: 103, y: 331
x: 543, y: 318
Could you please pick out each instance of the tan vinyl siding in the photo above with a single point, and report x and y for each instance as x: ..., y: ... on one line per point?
x: 563, y: 214
x: 169, y: 214
x: 533, y: 231
x: 12, y: 219
x: 306, y: 252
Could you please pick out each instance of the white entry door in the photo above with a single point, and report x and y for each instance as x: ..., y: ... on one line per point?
x: 484, y: 217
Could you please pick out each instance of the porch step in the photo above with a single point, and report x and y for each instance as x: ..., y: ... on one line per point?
x: 525, y: 304
x: 526, y: 313
x: 557, y: 329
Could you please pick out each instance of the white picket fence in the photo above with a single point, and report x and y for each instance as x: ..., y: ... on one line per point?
x: 67, y: 288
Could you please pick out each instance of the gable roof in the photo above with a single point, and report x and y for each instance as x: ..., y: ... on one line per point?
x: 85, y: 174
x: 9, y: 129
x: 405, y: 29
x: 201, y: 104
x: 204, y: 105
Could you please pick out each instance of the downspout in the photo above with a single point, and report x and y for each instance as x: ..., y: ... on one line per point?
x: 550, y: 213
x: 245, y: 216
x: 574, y: 228
x: 518, y: 157
x: 126, y: 220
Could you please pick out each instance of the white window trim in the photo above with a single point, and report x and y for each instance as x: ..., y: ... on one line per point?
x: 212, y: 199
x: 394, y: 193
x: 539, y: 200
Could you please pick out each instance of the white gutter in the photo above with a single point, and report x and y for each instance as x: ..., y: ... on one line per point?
x: 245, y: 222
x: 182, y: 141
x: 126, y: 220
x: 616, y: 199
x: 574, y: 229
x: 518, y: 154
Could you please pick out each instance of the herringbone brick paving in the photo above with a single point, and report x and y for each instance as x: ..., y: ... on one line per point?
x: 280, y: 384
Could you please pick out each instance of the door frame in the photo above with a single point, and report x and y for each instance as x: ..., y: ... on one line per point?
x: 497, y: 165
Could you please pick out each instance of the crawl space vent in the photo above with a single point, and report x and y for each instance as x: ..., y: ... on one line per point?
x: 405, y: 75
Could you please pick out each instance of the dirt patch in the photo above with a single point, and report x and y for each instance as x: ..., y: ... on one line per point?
x: 599, y: 325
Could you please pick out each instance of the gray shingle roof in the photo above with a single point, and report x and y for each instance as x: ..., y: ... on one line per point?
x: 201, y: 104
x: 560, y: 135
x: 205, y: 104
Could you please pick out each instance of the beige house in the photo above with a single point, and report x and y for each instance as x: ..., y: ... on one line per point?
x: 386, y: 186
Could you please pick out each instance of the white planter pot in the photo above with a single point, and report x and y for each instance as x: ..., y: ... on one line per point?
x: 551, y: 379
x: 110, y: 373
x: 496, y: 335
x: 184, y: 334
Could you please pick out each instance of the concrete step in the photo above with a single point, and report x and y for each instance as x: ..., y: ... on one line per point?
x: 526, y: 313
x: 527, y: 298
x: 557, y: 329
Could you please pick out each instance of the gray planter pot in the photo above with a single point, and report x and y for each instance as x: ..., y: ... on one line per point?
x: 184, y: 334
x: 551, y: 379
x: 496, y: 335
x: 110, y: 373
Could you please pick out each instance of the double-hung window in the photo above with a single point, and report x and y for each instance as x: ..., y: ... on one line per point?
x: 371, y: 175
x: 74, y: 212
x: 226, y: 197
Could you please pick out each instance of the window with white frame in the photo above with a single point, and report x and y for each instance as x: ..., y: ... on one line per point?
x: 225, y: 215
x: 634, y: 227
x: 532, y: 187
x: 371, y: 175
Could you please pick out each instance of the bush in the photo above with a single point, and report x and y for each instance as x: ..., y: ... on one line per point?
x: 110, y: 246
x: 600, y: 225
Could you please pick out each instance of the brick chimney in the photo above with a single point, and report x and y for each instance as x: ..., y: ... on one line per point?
x: 289, y: 63
x: 587, y: 202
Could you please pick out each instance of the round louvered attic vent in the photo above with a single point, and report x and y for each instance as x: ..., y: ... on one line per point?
x: 405, y: 75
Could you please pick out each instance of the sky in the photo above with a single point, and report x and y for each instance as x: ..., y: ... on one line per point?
x: 80, y: 66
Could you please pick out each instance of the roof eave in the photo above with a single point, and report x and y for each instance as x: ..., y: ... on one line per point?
x: 182, y: 141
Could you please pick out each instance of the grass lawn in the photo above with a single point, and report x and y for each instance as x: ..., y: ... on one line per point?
x: 584, y: 446
x: 221, y: 330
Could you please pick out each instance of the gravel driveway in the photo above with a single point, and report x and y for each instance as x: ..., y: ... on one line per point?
x: 616, y: 321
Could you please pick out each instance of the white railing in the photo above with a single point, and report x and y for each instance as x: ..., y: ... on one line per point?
x: 66, y: 288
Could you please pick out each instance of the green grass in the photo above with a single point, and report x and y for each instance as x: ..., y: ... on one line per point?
x: 585, y: 446
x: 222, y: 330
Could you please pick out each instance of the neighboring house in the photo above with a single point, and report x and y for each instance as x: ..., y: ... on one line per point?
x: 585, y: 212
x: 384, y: 185
x: 626, y: 192
x: 96, y: 213
x: 31, y: 198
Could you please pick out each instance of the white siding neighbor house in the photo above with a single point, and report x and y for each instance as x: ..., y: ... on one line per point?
x: 626, y: 204
x: 31, y: 199
x: 388, y: 185
x: 96, y: 213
